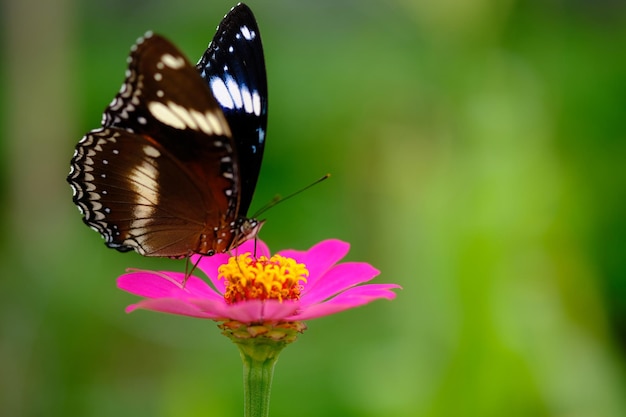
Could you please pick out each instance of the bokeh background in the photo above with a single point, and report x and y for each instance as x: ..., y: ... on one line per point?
x: 478, y: 158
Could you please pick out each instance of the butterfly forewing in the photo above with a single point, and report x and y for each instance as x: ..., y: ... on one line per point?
x: 159, y: 176
x: 234, y: 68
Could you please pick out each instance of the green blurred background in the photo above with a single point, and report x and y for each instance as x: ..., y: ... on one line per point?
x: 478, y: 155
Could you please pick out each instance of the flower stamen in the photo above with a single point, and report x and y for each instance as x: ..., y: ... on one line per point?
x: 276, y: 278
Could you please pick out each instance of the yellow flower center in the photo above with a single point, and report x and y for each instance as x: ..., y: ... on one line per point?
x: 276, y: 278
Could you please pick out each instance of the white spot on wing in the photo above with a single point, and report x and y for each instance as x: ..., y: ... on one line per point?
x: 234, y: 91
x: 201, y: 121
x: 144, y: 182
x: 246, y: 32
x: 256, y: 102
x: 178, y: 117
x: 221, y: 94
x: 183, y: 114
x: 151, y: 151
x: 215, y: 123
x: 162, y: 113
x: 247, y: 100
x: 172, y: 61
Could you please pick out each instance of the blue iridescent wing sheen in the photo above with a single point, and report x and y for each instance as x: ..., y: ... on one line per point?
x: 234, y: 67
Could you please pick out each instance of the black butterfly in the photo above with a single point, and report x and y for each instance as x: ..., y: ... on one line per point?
x: 173, y: 168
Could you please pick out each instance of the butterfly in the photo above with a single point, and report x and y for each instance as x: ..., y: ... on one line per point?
x: 173, y: 168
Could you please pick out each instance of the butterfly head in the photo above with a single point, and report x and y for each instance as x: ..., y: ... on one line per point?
x: 246, y: 229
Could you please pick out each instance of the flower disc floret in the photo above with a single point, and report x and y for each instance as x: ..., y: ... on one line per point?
x: 276, y: 278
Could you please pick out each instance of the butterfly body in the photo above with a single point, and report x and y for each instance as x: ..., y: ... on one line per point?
x: 171, y: 172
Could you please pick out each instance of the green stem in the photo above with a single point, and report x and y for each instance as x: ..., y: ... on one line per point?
x: 258, y: 369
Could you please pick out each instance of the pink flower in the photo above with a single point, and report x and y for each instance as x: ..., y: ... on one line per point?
x: 288, y: 287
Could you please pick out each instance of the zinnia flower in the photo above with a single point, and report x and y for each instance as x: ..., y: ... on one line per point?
x: 288, y: 287
x: 261, y: 300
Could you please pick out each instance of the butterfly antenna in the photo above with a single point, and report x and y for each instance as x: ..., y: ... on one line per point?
x: 279, y: 199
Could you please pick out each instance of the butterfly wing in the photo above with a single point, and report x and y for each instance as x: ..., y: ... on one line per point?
x: 234, y: 67
x: 159, y: 177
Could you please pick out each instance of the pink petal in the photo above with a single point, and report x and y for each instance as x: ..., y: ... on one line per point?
x: 320, y: 257
x: 245, y: 312
x: 197, y: 287
x: 339, y: 278
x: 249, y: 311
x: 149, y: 283
x: 353, y: 297
x: 171, y: 306
x: 165, y: 284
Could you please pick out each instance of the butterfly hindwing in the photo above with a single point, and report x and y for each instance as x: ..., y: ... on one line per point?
x: 125, y: 197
